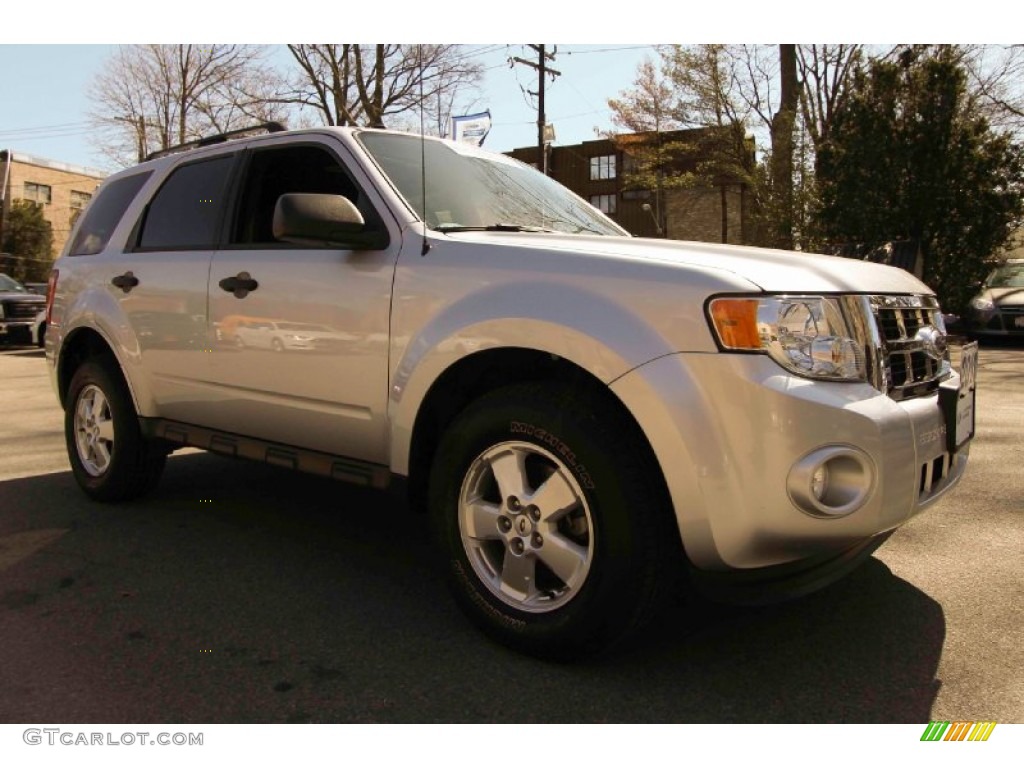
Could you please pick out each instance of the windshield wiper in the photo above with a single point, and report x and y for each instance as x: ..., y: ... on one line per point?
x: 500, y: 227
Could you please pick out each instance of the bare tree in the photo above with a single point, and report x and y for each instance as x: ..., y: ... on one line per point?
x: 352, y: 84
x: 997, y: 81
x: 151, y: 97
x: 825, y: 72
x: 326, y: 83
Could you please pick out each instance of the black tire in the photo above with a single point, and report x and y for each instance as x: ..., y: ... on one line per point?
x: 41, y: 340
x: 608, y: 565
x: 110, y: 458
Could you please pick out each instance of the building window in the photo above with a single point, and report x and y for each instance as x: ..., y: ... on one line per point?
x: 602, y: 167
x: 604, y: 203
x: 37, y: 193
x: 79, y: 200
x: 636, y: 194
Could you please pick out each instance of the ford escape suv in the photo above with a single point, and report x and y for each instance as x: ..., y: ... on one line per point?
x: 578, y: 410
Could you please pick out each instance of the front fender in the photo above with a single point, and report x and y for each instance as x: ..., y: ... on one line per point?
x: 584, y: 328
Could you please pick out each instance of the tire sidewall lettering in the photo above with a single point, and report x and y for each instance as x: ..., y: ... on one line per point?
x: 550, y: 440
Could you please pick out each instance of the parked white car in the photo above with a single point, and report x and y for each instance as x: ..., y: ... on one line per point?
x: 581, y: 412
x: 281, y: 336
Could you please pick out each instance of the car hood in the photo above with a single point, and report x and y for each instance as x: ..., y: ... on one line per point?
x: 768, y: 269
x: 1011, y: 296
x: 31, y: 298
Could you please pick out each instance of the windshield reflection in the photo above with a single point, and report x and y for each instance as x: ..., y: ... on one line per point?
x: 467, y: 187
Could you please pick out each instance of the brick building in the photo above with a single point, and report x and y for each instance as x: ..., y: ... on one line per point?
x: 62, y: 190
x: 598, y: 171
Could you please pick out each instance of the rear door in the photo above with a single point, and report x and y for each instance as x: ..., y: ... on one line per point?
x: 319, y: 378
x: 160, y: 281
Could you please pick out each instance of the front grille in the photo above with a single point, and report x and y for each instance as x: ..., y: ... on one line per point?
x: 22, y: 310
x: 911, y: 358
x: 1009, y: 318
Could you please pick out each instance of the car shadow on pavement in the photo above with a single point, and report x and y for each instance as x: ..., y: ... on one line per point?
x: 238, y: 592
x: 22, y: 351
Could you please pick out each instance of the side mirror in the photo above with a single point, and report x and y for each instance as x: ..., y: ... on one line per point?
x: 315, y: 219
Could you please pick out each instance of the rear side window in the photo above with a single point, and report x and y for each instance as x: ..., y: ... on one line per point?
x: 104, y: 213
x: 187, y: 210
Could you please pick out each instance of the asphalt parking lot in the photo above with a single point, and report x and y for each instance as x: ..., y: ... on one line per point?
x: 243, y: 593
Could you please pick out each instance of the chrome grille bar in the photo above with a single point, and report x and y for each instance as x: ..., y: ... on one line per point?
x: 911, y: 352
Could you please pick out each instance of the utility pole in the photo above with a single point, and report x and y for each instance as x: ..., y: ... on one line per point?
x: 543, y: 70
x: 139, y: 124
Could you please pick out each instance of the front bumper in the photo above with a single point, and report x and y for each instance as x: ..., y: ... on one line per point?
x: 728, y: 431
x: 16, y: 329
x: 1003, y: 322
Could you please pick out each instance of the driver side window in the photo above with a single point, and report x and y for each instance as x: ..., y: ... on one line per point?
x: 274, y: 172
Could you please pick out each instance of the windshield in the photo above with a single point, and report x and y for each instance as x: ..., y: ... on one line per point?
x: 1007, y: 276
x: 469, y: 188
x: 11, y: 285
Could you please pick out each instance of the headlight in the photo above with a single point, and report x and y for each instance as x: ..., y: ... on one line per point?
x: 982, y: 304
x: 807, y: 335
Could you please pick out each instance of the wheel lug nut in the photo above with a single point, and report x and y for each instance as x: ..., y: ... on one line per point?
x: 533, y: 512
x: 504, y: 524
x: 514, y: 504
x: 538, y: 540
x: 517, y: 546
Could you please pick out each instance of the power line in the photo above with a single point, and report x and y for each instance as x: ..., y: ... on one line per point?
x: 609, y: 50
x: 54, y: 126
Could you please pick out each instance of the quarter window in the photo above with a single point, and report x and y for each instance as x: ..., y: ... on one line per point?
x: 38, y: 193
x: 186, y: 211
x: 602, y: 167
x: 103, y: 215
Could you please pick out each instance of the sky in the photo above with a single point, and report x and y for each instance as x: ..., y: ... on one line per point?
x: 44, y: 110
x: 49, y: 55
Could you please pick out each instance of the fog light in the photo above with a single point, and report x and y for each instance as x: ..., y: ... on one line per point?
x: 832, y: 481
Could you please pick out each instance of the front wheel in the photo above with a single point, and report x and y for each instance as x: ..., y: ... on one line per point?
x: 110, y: 458
x: 553, y: 519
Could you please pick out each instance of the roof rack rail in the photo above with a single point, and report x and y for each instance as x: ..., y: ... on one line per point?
x: 218, y: 138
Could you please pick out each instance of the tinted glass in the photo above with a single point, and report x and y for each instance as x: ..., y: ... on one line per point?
x: 104, y: 213
x: 277, y: 171
x: 186, y: 211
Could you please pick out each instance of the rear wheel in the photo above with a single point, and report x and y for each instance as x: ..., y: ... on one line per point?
x: 553, y: 520
x: 110, y: 458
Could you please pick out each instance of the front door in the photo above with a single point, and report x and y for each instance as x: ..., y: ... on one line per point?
x: 300, y: 334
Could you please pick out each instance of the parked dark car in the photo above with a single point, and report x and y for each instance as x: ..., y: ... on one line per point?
x: 19, y: 309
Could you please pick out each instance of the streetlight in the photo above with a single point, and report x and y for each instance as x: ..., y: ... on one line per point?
x: 657, y: 225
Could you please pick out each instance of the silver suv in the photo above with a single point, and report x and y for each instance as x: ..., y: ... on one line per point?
x: 582, y: 413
